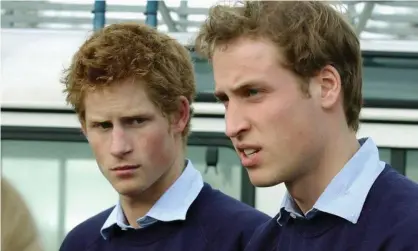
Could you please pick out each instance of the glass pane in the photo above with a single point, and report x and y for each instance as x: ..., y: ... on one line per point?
x: 412, y: 164
x: 36, y: 178
x: 87, y: 191
x: 227, y: 174
x: 385, y: 155
x: 394, y: 79
x: 204, y: 76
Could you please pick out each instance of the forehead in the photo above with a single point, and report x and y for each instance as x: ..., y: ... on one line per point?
x: 248, y: 48
x: 117, y: 98
x: 244, y: 60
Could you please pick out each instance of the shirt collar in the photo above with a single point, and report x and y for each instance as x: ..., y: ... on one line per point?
x: 172, y: 205
x: 347, y: 192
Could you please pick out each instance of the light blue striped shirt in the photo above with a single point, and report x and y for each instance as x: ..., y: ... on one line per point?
x: 347, y: 192
x: 173, y: 204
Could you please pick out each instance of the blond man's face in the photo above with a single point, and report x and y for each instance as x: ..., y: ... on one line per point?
x: 275, y: 128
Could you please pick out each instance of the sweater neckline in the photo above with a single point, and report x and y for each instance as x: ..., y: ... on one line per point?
x: 317, y: 226
x: 158, y: 230
x: 145, y: 236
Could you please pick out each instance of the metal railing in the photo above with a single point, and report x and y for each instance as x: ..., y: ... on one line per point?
x: 381, y: 19
x: 386, y: 19
x: 44, y: 14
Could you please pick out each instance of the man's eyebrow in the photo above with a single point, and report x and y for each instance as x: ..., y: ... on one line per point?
x: 247, y: 84
x: 130, y: 115
x: 138, y: 115
x: 96, y: 119
x: 220, y: 96
x: 237, y: 89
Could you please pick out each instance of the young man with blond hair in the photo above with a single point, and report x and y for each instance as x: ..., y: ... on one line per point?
x: 290, y: 76
x: 132, y: 88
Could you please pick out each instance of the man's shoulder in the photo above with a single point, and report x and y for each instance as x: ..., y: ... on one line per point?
x: 226, y: 219
x: 226, y: 207
x: 403, y: 233
x: 85, y: 233
x: 265, y: 236
x: 392, y: 207
x: 392, y: 196
x: 396, y: 187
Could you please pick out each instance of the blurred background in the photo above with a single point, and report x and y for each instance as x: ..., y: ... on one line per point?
x: 44, y: 155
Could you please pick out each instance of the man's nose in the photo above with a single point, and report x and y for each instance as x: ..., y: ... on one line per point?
x: 235, y: 120
x: 121, y: 144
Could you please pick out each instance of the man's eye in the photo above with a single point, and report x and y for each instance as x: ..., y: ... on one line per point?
x: 103, y: 125
x: 137, y: 121
x: 252, y: 92
x: 107, y: 125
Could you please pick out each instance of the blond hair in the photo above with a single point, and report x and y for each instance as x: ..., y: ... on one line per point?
x: 18, y: 229
x: 311, y: 34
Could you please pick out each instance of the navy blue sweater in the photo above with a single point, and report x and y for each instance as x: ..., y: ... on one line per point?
x: 388, y: 222
x: 214, y: 221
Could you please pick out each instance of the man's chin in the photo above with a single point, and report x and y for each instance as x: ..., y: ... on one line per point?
x: 128, y: 190
x: 263, y: 180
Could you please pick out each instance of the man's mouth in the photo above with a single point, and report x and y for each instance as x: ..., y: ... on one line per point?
x: 249, y: 152
x: 125, y: 167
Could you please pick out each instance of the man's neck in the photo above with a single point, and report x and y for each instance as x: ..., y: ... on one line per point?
x: 307, y: 189
x: 138, y: 206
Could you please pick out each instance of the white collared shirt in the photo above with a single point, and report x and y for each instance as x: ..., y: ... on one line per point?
x: 173, y: 204
x: 347, y: 192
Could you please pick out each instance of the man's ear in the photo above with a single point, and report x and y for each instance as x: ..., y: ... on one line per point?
x: 181, y: 117
x: 330, y: 82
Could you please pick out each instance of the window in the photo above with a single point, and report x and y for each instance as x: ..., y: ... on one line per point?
x: 63, y: 186
x: 225, y: 176
x: 403, y: 160
x: 204, y: 75
x: 411, y: 169
x: 389, y: 78
x: 384, y: 154
x: 36, y: 176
